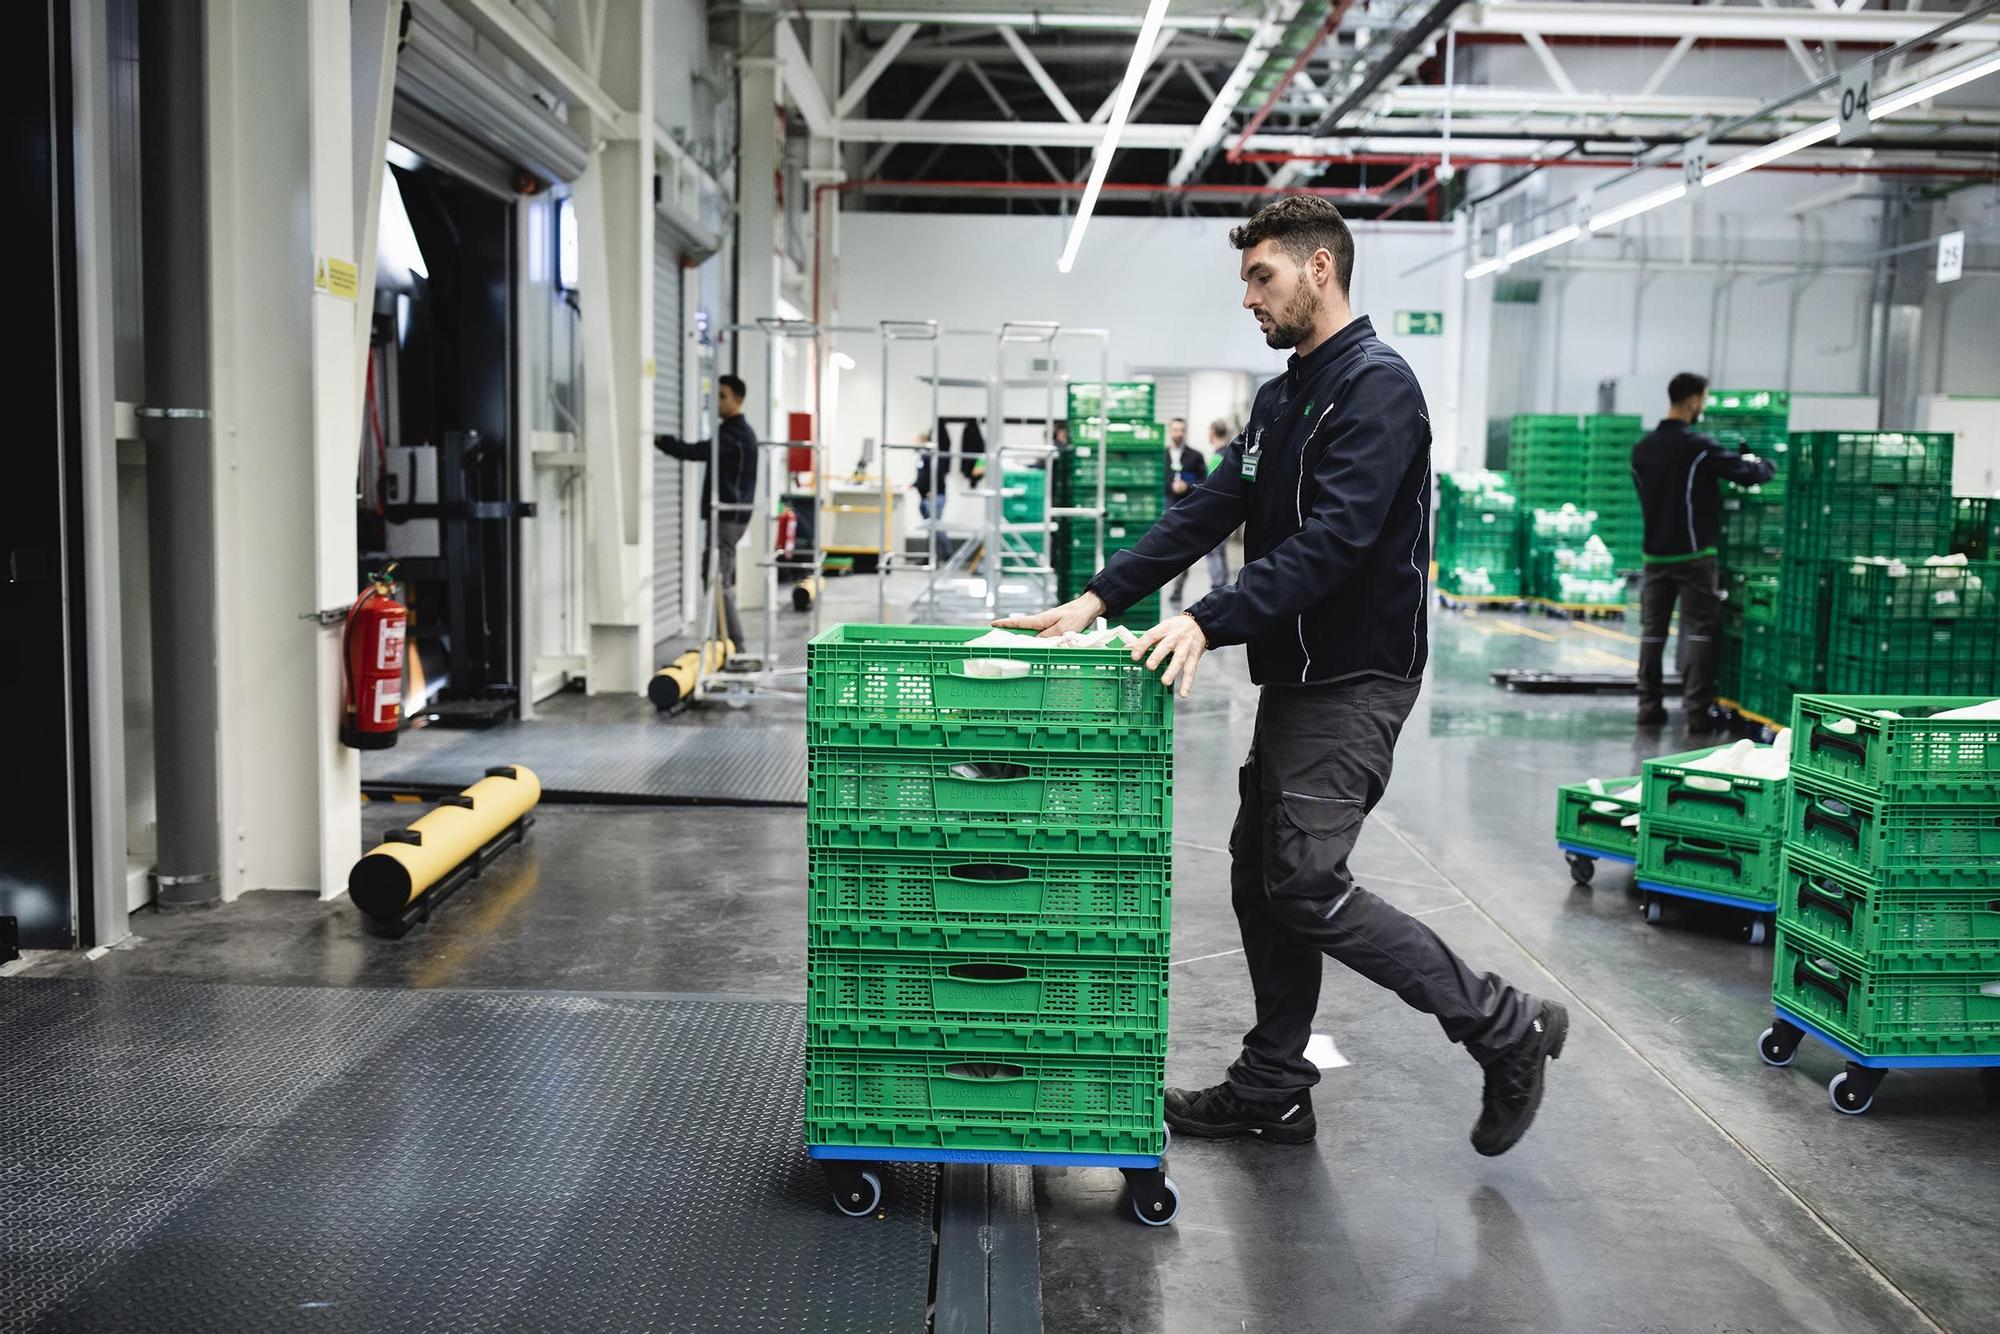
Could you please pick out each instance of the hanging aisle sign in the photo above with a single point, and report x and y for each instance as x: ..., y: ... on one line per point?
x: 1951, y: 257
x: 1852, y: 109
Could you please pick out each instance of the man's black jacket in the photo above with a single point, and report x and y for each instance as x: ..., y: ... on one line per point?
x: 1676, y: 470
x: 1193, y: 469
x: 736, y: 479
x: 1332, y: 477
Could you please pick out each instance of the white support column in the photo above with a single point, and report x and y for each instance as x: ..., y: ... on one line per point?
x: 375, y: 24
x: 614, y: 215
x: 759, y: 271
x: 336, y: 404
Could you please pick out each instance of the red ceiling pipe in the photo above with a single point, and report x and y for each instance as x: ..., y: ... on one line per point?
x: 1326, y: 30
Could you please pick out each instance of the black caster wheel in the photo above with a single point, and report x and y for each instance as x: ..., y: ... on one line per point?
x: 1654, y: 912
x: 1779, y: 1043
x: 1582, y: 868
x: 1757, y: 933
x: 857, y: 1192
x: 1852, y: 1091
x: 1156, y: 1201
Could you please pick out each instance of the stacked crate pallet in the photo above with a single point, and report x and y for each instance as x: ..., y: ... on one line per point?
x: 1478, y: 537
x: 1131, y: 447
x: 1567, y: 566
x: 990, y: 837
x: 1748, y: 673
x: 1608, y: 489
x: 1710, y: 836
x: 1889, y: 893
x: 1849, y: 495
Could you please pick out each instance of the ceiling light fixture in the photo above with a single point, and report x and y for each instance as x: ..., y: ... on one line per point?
x: 1632, y: 208
x: 1757, y: 157
x: 1929, y: 88
x: 1546, y: 241
x: 1486, y: 266
x: 1149, y: 32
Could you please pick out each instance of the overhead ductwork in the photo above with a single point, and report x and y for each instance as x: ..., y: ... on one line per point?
x: 457, y: 110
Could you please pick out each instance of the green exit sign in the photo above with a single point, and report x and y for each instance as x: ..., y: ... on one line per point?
x: 1419, y: 322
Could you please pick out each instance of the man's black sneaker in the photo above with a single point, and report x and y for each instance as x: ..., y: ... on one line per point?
x: 1217, y: 1113
x: 1514, y: 1082
x: 1701, y: 724
x: 1653, y: 717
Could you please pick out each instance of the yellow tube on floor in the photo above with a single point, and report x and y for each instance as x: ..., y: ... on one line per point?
x: 389, y: 878
x: 804, y: 591
x: 675, y: 681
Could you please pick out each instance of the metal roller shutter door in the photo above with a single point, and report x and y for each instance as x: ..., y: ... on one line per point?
x: 668, y: 474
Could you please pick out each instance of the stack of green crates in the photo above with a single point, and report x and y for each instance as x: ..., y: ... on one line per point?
x: 1749, y: 672
x: 1564, y: 567
x: 1757, y: 421
x: 1132, y: 445
x: 1546, y: 459
x: 1024, y: 500
x: 1916, y: 629
x: 1708, y: 835
x: 1889, y: 897
x: 1608, y: 488
x: 990, y: 854
x: 1478, y: 536
x: 1849, y: 495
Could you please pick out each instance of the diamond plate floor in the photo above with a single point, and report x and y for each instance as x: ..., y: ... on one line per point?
x: 182, y: 1156
x: 649, y: 760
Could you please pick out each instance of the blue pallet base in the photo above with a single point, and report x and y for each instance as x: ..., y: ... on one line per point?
x: 994, y: 1157
x: 1759, y: 906
x: 1811, y: 1029
x: 1597, y: 853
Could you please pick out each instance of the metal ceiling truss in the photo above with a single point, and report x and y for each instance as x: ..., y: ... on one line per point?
x: 1292, y: 86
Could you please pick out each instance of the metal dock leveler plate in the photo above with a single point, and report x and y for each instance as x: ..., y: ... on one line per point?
x: 989, y: 833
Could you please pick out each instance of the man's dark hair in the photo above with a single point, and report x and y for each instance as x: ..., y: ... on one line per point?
x: 734, y: 384
x: 1685, y: 386
x: 1301, y: 224
x: 1181, y: 420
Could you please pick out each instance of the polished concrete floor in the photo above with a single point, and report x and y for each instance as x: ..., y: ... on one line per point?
x: 1673, y: 1182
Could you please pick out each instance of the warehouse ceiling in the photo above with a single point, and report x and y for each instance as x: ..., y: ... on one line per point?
x: 987, y: 107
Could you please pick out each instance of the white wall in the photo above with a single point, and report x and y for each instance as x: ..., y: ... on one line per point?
x: 1165, y: 288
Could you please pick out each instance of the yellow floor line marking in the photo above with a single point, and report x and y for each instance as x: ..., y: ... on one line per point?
x: 1602, y: 656
x: 1608, y: 633
x: 1514, y: 629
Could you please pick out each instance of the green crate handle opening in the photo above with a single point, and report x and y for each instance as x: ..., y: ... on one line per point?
x: 1827, y: 895
x: 1826, y: 813
x: 958, y: 669
x: 1698, y: 851
x: 1822, y: 739
x: 987, y: 973
x: 1682, y: 793
x: 1589, y: 816
x: 985, y: 1072
x: 989, y: 873
x: 1807, y: 972
x: 991, y: 771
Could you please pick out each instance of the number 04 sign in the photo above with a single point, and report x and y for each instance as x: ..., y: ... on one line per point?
x: 1853, y: 107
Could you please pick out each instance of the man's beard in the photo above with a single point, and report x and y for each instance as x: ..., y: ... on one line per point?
x: 1294, y: 324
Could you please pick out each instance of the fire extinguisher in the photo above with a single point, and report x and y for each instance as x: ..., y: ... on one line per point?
x: 372, y: 652
x: 788, y: 530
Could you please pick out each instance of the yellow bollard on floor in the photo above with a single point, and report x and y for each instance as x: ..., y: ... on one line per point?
x: 411, y: 863
x: 674, y: 682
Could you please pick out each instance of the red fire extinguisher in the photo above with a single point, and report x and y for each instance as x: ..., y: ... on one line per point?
x: 788, y: 530
x: 372, y: 651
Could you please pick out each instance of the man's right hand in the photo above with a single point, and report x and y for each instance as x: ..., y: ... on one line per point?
x: 1076, y: 614
x: 1180, y: 486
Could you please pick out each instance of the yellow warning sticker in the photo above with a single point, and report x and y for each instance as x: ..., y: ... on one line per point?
x: 343, y: 280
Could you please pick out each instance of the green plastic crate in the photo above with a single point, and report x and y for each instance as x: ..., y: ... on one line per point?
x: 918, y: 1001
x: 1582, y: 823
x: 1674, y: 789
x: 1975, y: 527
x: 999, y: 842
x: 1020, y: 1103
x: 1921, y: 929
x: 1131, y: 435
x: 1871, y: 458
x: 1896, y: 843
x: 1025, y: 790
x: 988, y: 938
x: 1707, y: 857
x: 1839, y: 741
x: 1887, y: 1014
x: 1122, y: 400
x: 892, y: 685
x: 1115, y: 893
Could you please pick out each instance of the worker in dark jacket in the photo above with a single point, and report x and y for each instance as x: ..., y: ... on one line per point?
x: 1677, y: 470
x: 731, y: 491
x: 1332, y: 475
x: 1187, y: 468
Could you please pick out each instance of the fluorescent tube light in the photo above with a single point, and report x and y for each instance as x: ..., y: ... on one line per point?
x: 1149, y: 32
x: 1929, y: 88
x: 1632, y: 208
x: 1546, y: 241
x: 1486, y: 266
x: 1771, y: 152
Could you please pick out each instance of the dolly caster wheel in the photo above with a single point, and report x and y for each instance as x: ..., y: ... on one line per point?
x: 1852, y: 1091
x: 1757, y: 933
x: 1779, y: 1043
x: 857, y: 1192
x: 1156, y: 1201
x: 1582, y: 868
x: 1654, y: 912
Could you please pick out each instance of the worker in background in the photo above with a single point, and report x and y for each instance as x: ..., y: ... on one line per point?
x: 1332, y: 475
x: 731, y: 492
x: 930, y: 488
x: 1678, y: 470
x: 1187, y: 468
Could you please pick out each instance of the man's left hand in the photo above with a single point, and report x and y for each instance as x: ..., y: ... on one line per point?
x: 1176, y: 645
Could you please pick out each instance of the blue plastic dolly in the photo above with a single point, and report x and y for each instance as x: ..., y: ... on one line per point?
x: 857, y: 1191
x: 1852, y: 1091
x: 1583, y: 860
x: 1761, y: 913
